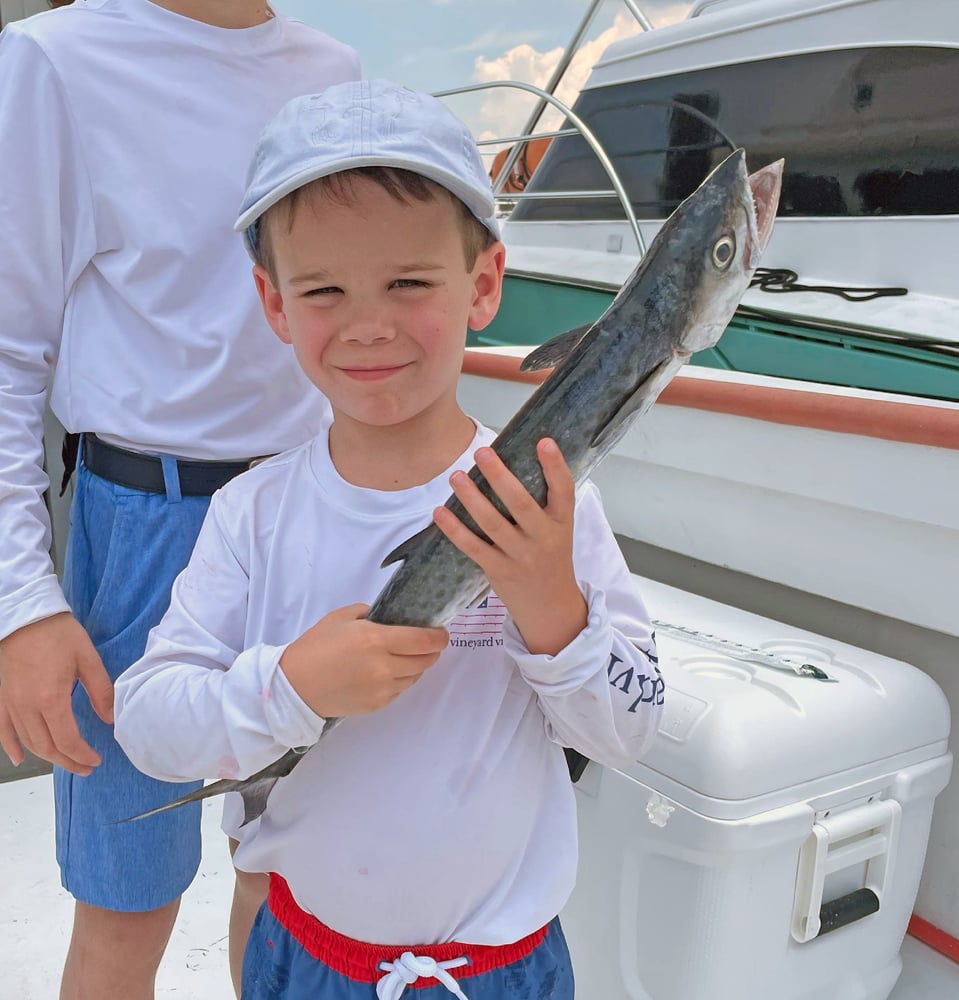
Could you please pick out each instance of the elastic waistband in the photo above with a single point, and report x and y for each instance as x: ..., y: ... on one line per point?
x: 360, y: 960
x: 145, y: 472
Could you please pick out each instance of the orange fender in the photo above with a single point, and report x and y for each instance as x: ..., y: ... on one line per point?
x: 527, y: 161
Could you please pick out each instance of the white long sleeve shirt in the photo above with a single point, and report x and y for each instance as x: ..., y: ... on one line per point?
x: 126, y: 133
x: 447, y: 815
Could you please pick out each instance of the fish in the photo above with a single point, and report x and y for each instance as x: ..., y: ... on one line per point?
x: 678, y: 301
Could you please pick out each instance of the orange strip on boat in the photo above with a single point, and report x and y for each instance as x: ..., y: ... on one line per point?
x: 890, y: 420
x: 931, y: 935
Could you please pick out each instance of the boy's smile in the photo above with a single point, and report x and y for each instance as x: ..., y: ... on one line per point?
x: 375, y: 297
x: 371, y: 374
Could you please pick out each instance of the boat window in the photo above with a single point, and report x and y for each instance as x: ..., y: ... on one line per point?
x: 871, y: 131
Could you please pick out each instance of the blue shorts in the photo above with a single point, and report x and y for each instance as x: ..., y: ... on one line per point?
x: 124, y: 550
x: 292, y: 956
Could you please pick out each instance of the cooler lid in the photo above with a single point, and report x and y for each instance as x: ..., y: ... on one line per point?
x: 736, y: 727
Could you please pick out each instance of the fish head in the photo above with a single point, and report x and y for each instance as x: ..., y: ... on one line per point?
x: 717, y: 236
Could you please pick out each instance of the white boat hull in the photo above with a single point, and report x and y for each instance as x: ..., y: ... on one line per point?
x: 854, y: 518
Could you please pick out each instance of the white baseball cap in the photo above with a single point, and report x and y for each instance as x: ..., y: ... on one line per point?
x: 364, y: 123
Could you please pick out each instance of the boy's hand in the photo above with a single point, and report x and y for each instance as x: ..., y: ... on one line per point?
x: 346, y: 665
x: 529, y: 564
x: 39, y: 664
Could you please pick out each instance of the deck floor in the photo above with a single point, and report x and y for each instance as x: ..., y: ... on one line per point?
x: 35, y: 914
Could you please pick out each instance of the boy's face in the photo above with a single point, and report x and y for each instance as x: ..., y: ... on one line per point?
x: 375, y: 298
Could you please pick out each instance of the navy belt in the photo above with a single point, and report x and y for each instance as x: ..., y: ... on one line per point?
x: 145, y: 472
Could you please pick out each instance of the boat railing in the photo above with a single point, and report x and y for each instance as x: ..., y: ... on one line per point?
x: 546, y: 97
x: 579, y: 127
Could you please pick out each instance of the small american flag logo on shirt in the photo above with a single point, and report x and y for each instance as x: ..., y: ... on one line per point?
x: 481, y: 625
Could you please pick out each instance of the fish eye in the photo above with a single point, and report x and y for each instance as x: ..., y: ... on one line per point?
x: 724, y: 249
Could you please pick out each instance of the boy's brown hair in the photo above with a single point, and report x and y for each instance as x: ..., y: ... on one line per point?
x: 405, y: 186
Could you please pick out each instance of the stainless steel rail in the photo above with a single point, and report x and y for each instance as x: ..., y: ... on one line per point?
x: 546, y: 98
x: 579, y: 127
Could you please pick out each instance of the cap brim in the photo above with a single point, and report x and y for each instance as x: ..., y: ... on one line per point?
x: 482, y: 208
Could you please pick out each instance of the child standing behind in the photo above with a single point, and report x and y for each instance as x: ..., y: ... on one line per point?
x: 431, y: 838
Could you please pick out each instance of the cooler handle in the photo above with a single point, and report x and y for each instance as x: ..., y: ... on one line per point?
x: 847, y: 910
x: 868, y: 833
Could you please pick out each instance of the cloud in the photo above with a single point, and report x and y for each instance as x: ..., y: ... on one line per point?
x: 504, y: 111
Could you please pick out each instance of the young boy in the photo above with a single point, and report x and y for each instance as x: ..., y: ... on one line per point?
x: 438, y: 818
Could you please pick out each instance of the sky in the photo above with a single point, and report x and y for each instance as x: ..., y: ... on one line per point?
x: 438, y: 44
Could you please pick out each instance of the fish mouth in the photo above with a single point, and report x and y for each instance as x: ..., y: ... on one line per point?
x: 765, y: 186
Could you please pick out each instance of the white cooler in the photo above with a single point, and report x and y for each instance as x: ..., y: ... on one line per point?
x: 770, y: 844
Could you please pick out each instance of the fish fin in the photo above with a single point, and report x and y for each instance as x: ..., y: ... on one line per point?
x: 403, y: 550
x: 254, y: 790
x: 206, y: 792
x: 638, y: 402
x: 555, y: 351
x: 255, y: 799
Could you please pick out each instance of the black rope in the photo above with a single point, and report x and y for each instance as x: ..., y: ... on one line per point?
x: 782, y: 279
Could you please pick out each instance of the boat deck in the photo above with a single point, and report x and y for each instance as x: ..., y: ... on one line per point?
x: 35, y: 915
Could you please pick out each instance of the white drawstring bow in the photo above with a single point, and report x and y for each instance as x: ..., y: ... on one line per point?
x: 409, y: 967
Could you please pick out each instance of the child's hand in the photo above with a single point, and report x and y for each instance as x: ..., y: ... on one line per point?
x: 346, y: 665
x: 530, y: 563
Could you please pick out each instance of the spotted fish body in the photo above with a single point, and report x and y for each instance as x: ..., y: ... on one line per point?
x: 678, y: 301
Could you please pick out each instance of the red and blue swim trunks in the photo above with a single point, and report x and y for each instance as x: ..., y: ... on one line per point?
x: 293, y: 956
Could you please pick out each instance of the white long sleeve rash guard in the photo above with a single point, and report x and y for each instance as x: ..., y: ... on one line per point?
x: 127, y: 130
x: 447, y: 815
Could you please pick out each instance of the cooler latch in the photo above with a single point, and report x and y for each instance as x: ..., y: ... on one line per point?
x: 866, y: 834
